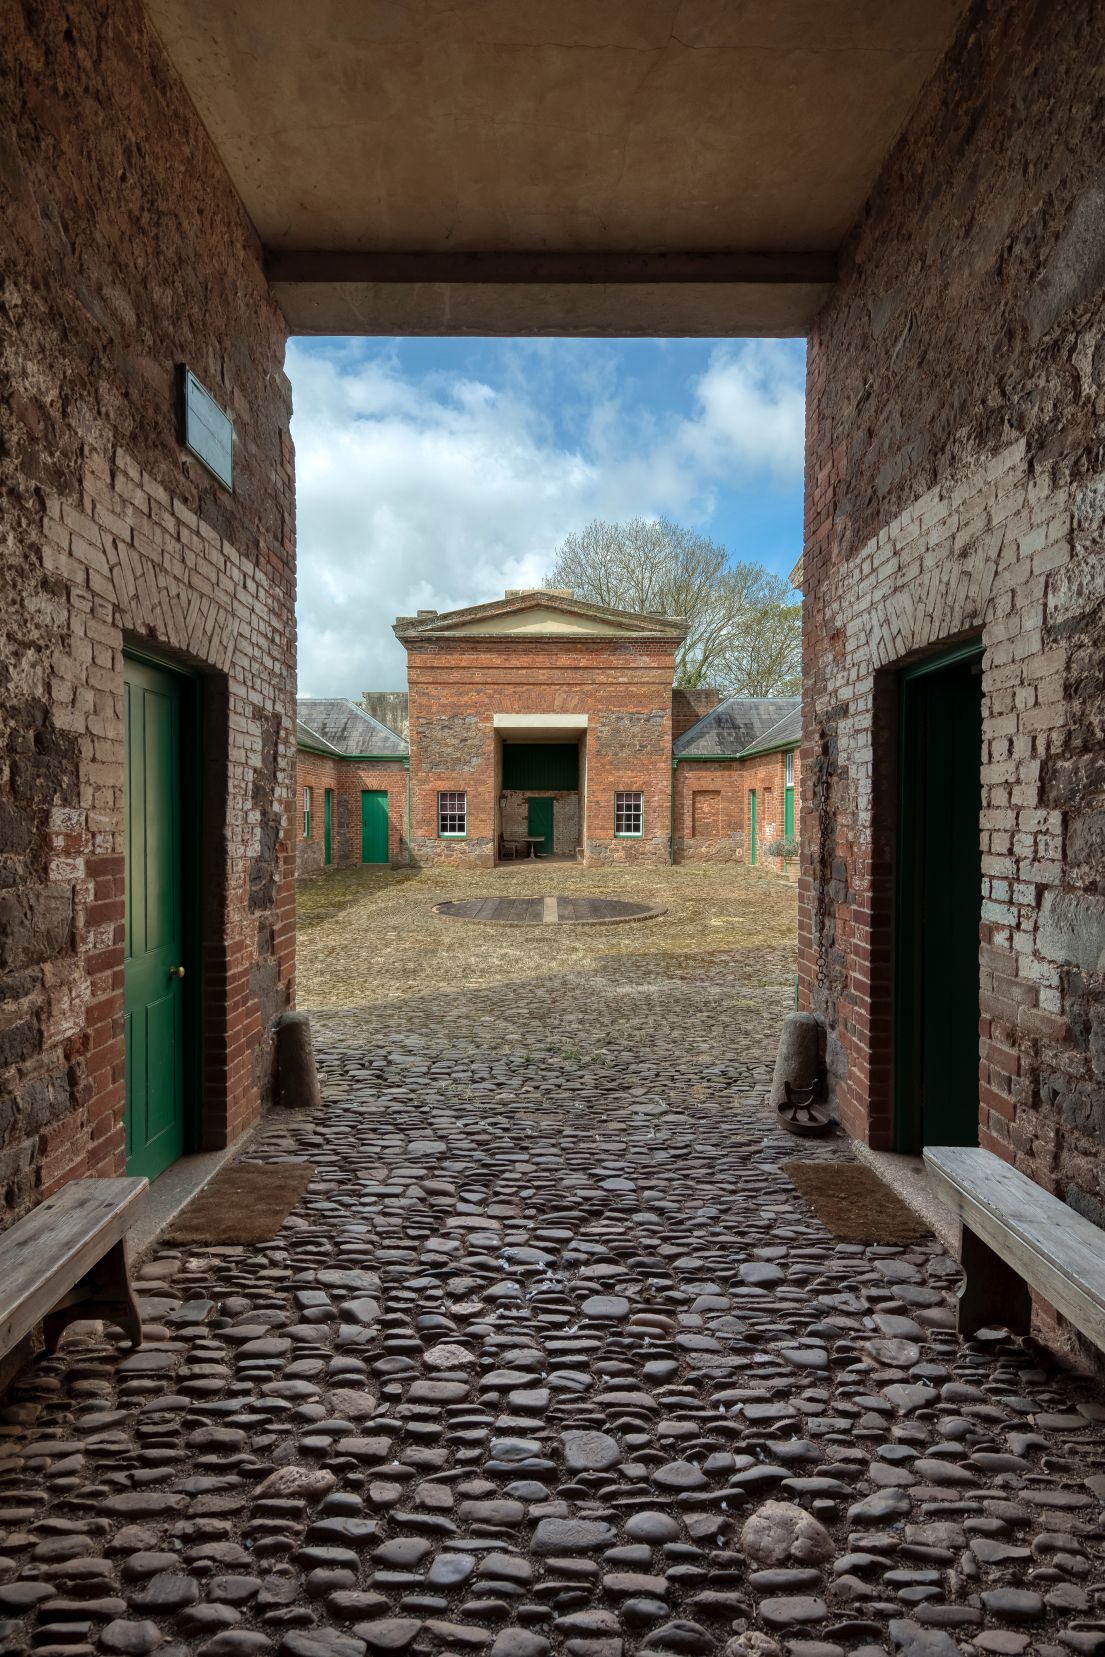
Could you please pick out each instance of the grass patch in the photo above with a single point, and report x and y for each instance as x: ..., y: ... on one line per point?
x: 368, y: 936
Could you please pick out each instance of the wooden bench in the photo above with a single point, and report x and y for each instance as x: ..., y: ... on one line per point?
x: 1016, y: 1235
x: 67, y: 1260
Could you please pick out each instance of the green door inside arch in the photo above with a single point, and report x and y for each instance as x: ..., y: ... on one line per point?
x: 374, y: 826
x: 751, y: 825
x: 328, y: 826
x: 539, y: 821
x: 153, y: 963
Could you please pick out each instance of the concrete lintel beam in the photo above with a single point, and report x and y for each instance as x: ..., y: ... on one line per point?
x: 547, y: 269
x: 676, y: 309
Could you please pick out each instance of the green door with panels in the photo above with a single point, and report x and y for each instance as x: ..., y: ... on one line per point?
x: 939, y: 903
x: 328, y: 825
x: 374, y: 826
x: 153, y: 972
x: 539, y: 815
x: 751, y: 825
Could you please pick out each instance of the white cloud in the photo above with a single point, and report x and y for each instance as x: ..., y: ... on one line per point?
x: 440, y: 493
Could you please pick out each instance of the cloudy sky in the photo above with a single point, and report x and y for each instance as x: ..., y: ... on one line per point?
x: 436, y: 473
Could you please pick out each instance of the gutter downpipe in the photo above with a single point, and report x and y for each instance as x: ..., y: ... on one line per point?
x: 407, y: 769
x: 671, y: 834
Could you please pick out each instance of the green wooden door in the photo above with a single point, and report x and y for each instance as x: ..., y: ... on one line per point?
x: 751, y: 825
x: 328, y: 825
x: 153, y: 972
x: 539, y: 815
x: 939, y: 905
x: 374, y: 826
x: 788, y: 797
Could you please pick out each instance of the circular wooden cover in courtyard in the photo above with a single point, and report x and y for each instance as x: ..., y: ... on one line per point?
x: 546, y: 911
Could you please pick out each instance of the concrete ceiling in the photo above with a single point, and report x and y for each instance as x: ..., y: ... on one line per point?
x: 612, y: 165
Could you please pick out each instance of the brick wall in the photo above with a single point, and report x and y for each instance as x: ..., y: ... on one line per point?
x: 125, y: 252
x: 712, y: 812
x: 688, y: 707
x: 956, y: 390
x: 456, y: 687
x: 347, y: 778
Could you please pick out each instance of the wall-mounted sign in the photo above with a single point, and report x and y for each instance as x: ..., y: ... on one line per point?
x: 205, y: 429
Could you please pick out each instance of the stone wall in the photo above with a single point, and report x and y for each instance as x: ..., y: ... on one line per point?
x: 514, y: 816
x: 955, y: 485
x: 389, y: 707
x: 125, y: 253
x: 456, y: 687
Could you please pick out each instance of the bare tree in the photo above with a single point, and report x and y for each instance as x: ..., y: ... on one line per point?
x: 653, y: 565
x: 764, y: 655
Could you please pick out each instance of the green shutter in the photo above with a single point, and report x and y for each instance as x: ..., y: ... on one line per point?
x: 546, y: 765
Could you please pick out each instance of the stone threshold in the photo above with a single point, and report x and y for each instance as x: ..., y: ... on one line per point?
x: 175, y: 1188
x: 907, y: 1178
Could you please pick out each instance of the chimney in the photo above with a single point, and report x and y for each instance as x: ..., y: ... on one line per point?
x: 423, y: 615
x: 688, y: 707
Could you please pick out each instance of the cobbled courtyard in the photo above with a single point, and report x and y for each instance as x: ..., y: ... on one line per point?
x: 551, y: 1358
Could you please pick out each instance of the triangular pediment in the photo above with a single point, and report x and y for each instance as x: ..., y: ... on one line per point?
x: 540, y: 614
x: 540, y: 620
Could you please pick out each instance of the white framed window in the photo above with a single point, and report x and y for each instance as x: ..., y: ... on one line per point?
x: 790, y: 769
x: 306, y: 814
x: 452, y: 816
x: 629, y: 813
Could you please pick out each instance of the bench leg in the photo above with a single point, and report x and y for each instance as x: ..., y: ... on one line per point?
x: 104, y: 1292
x: 992, y: 1293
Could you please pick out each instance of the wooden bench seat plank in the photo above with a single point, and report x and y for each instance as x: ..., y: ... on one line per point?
x: 1045, y: 1241
x: 49, y: 1251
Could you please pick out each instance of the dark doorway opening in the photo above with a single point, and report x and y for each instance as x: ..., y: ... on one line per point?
x: 939, y: 900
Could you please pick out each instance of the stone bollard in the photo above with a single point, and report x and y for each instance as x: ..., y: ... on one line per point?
x: 796, y: 1061
x: 297, y: 1086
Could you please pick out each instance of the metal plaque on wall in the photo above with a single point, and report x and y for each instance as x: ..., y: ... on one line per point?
x: 205, y: 429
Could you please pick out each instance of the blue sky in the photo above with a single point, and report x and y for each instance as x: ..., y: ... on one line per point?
x: 437, y: 472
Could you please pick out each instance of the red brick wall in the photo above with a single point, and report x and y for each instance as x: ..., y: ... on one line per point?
x: 688, y: 707
x: 954, y: 485
x: 125, y: 252
x: 455, y: 689
x: 731, y: 781
x: 347, y: 778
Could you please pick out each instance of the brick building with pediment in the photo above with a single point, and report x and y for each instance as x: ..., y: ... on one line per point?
x: 542, y: 725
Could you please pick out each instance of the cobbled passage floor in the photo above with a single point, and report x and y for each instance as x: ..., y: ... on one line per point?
x: 551, y: 1359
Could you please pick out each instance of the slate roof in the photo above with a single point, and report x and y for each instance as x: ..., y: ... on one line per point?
x: 346, y: 728
x: 306, y: 738
x: 786, y: 733
x: 734, y: 726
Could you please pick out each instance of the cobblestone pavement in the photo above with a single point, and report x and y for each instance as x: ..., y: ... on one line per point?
x: 551, y: 1359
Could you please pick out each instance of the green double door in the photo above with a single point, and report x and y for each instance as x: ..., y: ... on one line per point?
x: 374, y: 826
x: 153, y: 972
x: 939, y: 903
x: 539, y: 821
x: 328, y: 826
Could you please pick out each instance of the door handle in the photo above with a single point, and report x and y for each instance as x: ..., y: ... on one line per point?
x: 176, y: 972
